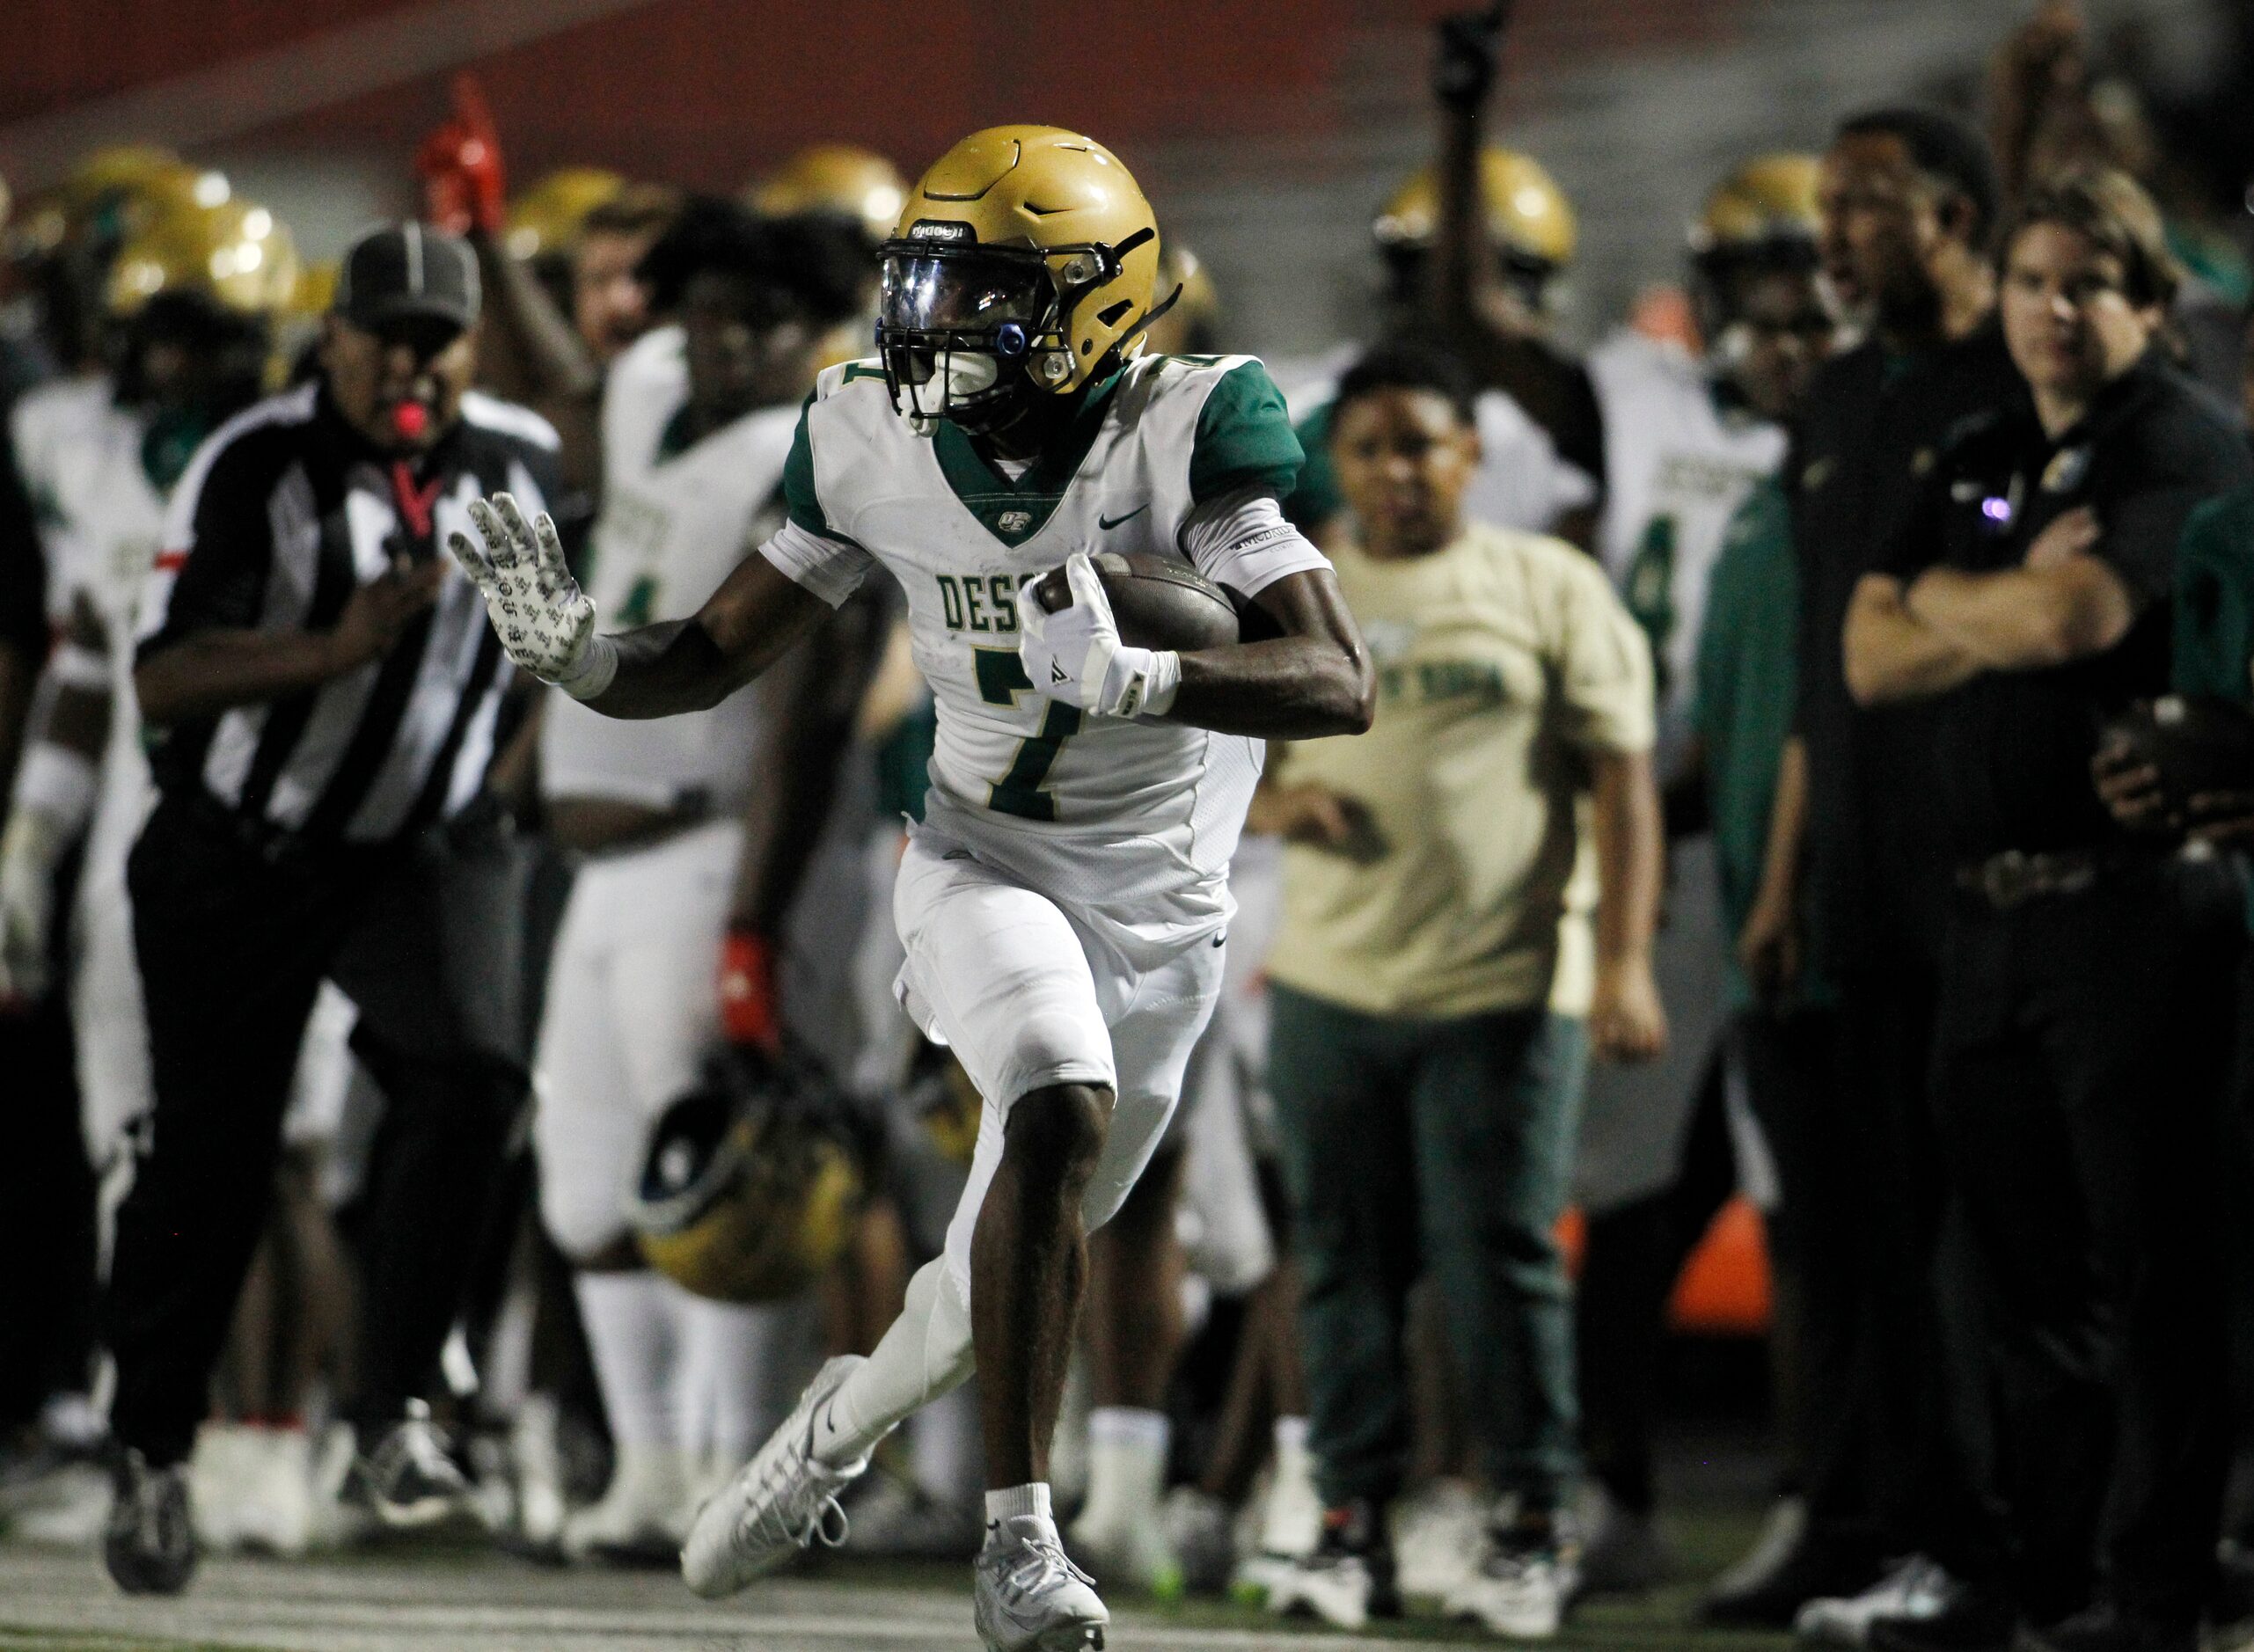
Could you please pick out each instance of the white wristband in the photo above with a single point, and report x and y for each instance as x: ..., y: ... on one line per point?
x: 58, y: 783
x: 596, y: 669
x: 1160, y: 680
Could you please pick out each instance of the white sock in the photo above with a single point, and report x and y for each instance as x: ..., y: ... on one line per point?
x: 925, y: 1353
x: 1014, y: 1501
x: 630, y: 1331
x: 728, y: 1364
x: 1127, y: 1452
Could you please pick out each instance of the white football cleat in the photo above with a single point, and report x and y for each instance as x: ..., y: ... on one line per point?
x: 1344, y: 1590
x: 1028, y: 1596
x: 1519, y: 1592
x: 783, y: 1501
x: 274, y: 1510
x: 643, y: 1514
x: 1916, y: 1589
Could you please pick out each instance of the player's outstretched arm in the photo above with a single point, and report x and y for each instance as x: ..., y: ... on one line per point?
x: 547, y: 624
x: 1313, y: 680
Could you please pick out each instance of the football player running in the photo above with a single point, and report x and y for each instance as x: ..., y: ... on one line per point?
x: 1064, y: 906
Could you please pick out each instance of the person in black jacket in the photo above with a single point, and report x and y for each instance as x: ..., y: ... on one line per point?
x: 2086, y: 990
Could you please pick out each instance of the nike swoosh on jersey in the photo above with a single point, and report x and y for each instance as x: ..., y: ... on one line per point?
x: 1113, y: 522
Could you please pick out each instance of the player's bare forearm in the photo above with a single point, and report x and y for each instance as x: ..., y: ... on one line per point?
x: 691, y: 665
x: 214, y: 671
x: 1313, y: 681
x: 528, y: 350
x: 811, y: 718
x: 1631, y: 849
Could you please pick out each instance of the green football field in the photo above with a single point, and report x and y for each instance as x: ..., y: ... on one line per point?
x: 432, y: 1598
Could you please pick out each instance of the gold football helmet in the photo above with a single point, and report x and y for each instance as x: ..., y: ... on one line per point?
x: 745, y: 1193
x: 1768, y: 202
x: 236, y: 252
x: 1527, y: 214
x: 1025, y: 261
x: 547, y: 217
x: 837, y: 178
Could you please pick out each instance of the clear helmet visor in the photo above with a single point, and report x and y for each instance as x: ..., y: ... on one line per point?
x: 963, y: 293
x: 949, y: 326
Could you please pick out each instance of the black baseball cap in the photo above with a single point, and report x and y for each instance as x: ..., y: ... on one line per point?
x: 398, y: 270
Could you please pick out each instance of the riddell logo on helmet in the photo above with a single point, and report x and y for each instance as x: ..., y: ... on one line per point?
x: 939, y: 229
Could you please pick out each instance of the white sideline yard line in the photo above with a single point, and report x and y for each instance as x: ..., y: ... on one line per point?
x: 243, y: 1619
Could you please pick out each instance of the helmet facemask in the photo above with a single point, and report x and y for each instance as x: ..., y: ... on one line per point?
x: 968, y: 335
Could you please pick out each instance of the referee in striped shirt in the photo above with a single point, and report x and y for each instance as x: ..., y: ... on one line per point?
x: 329, y: 698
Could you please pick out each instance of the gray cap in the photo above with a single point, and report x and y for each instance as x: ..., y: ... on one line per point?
x: 407, y: 269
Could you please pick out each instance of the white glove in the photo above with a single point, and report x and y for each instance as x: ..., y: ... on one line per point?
x: 29, y: 852
x: 1075, y: 655
x: 545, y: 621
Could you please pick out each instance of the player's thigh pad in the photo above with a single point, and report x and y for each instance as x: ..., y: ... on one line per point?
x: 1151, y: 1044
x: 585, y: 1124
x: 670, y: 910
x: 999, y: 974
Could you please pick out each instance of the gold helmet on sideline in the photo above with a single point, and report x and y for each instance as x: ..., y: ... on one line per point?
x: 1025, y: 262
x: 1527, y: 214
x: 1190, y: 325
x: 546, y: 218
x: 235, y: 252
x: 1768, y: 202
x: 748, y: 1192
x: 838, y: 178
x: 110, y: 194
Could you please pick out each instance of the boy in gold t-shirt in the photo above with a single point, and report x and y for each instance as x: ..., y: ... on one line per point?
x: 1428, y: 1041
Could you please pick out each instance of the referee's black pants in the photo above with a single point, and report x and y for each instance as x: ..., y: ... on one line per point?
x: 234, y: 936
x: 2083, y: 1041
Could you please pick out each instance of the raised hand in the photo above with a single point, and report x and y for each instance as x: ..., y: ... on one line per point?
x: 545, y: 621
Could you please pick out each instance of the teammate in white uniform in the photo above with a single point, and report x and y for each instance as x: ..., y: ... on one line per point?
x: 1686, y: 440
x: 1063, y: 906
x: 1541, y: 477
x: 98, y: 454
x: 694, y: 447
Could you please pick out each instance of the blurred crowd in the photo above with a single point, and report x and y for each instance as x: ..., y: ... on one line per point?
x: 1853, y: 828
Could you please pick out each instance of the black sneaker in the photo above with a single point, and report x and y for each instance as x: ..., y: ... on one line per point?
x: 410, y: 1479
x: 1349, y: 1579
x: 151, y: 1544
x: 2106, y: 1629
x: 1974, y: 1621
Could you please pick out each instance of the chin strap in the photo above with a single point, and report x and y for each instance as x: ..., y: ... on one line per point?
x: 1149, y: 318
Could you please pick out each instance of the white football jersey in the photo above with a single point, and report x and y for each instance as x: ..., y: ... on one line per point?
x: 1678, y: 464
x: 1523, y: 481
x: 1129, y: 824
x: 101, y: 521
x: 673, y: 525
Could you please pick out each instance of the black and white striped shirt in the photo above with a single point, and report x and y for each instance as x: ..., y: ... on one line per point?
x: 282, y: 514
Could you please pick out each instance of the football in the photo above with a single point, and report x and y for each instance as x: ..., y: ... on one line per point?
x: 1158, y: 602
x: 2195, y: 744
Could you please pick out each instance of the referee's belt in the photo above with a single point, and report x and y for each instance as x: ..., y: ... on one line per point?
x: 2015, y: 877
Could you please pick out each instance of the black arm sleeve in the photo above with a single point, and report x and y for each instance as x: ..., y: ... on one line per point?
x: 23, y: 567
